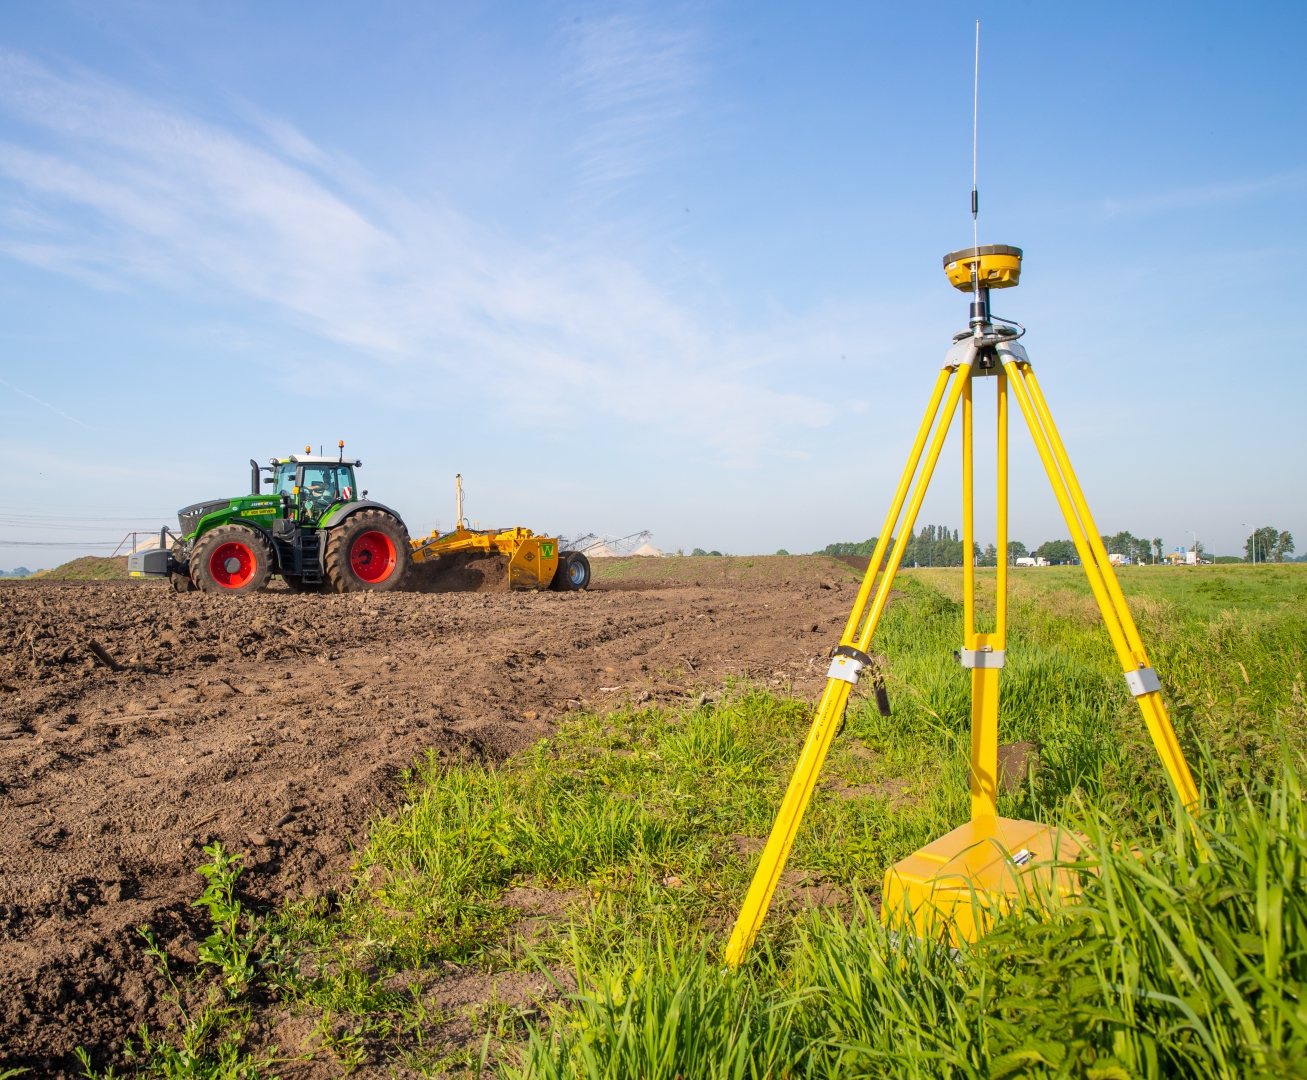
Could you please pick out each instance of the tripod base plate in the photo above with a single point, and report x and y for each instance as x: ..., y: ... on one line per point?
x: 957, y: 885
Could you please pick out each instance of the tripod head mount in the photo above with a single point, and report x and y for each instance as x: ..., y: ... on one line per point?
x: 976, y: 270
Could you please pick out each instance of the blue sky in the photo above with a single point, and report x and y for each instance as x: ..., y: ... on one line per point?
x: 667, y: 266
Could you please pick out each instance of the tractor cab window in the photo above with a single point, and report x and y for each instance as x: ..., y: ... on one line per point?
x: 324, y: 486
x: 286, y: 479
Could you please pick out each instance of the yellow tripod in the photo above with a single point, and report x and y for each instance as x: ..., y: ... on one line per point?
x: 981, y: 860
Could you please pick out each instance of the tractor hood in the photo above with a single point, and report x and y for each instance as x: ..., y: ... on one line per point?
x: 188, y: 518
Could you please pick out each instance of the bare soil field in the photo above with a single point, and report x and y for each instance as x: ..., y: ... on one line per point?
x: 137, y: 725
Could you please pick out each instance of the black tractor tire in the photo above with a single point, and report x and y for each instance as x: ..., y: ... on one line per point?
x: 573, y: 573
x: 231, y: 560
x: 368, y: 552
x: 180, y: 579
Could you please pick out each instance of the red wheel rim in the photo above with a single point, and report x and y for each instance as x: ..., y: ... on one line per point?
x: 372, y: 557
x: 232, y: 565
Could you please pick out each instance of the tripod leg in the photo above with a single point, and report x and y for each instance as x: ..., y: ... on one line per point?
x: 896, y: 507
x: 968, y: 524
x: 1159, y: 725
x: 984, y: 681
x: 967, y: 353
x: 1150, y: 700
x: 835, y: 698
x: 1000, y: 589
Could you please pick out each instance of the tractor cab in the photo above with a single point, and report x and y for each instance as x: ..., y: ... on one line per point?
x: 315, y: 484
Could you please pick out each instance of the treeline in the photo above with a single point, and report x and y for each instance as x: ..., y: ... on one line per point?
x: 936, y: 545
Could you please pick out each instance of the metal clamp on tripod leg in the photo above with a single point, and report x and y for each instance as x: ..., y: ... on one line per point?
x: 847, y: 663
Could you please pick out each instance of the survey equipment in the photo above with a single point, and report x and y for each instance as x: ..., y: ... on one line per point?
x: 980, y: 867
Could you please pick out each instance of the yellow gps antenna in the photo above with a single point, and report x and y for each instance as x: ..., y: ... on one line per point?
x: 953, y: 887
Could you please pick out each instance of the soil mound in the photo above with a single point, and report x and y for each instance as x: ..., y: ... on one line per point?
x: 460, y: 572
x: 88, y: 568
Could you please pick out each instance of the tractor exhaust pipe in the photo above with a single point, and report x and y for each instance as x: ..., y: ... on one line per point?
x: 255, y: 488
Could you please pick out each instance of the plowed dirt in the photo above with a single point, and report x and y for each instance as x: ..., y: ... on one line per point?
x: 279, y: 723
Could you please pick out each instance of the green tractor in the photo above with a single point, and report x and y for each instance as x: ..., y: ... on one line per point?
x: 311, y: 525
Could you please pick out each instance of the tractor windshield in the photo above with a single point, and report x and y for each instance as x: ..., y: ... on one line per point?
x: 324, y: 486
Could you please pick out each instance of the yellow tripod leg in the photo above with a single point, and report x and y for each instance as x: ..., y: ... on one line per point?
x: 1150, y: 700
x: 836, y: 695
x: 984, y: 681
x: 964, y: 355
x: 896, y: 507
x: 1133, y: 663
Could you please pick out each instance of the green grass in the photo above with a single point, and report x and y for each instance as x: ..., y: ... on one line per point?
x: 1185, y: 955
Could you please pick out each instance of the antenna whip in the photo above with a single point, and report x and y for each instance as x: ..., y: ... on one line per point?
x: 975, y: 194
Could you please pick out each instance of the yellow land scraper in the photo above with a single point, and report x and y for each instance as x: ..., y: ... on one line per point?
x: 534, y: 562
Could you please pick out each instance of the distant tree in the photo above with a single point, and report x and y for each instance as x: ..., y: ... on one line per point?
x: 866, y: 547
x: 1264, y: 543
x: 698, y: 551
x: 988, y: 557
x: 1015, y: 550
x: 680, y: 551
x: 936, y: 545
x: 1129, y: 545
x: 1057, y: 552
x: 717, y: 553
x: 1157, y: 549
x: 1283, y: 547
x: 781, y: 551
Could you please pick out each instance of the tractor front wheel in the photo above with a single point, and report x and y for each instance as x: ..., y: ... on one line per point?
x: 368, y: 552
x: 181, y: 582
x: 231, y: 559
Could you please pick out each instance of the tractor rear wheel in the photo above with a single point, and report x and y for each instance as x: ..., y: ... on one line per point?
x: 368, y: 552
x: 573, y: 573
x: 231, y: 559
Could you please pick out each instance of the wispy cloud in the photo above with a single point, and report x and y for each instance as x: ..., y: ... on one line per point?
x: 1211, y: 194
x: 45, y: 404
x: 100, y: 184
x: 634, y: 73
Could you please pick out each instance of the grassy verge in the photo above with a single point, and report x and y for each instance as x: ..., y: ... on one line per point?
x: 1186, y: 955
